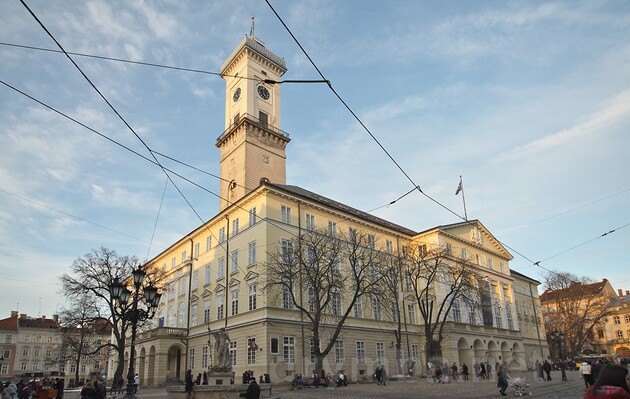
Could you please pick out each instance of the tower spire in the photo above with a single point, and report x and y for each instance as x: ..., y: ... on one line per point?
x: 251, y: 32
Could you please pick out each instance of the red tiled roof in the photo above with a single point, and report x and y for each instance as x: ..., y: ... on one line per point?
x: 37, y: 323
x: 575, y: 290
x: 10, y: 323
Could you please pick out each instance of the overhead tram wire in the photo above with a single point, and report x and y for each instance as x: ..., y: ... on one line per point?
x: 272, y: 222
x: 370, y: 133
x: 156, y: 220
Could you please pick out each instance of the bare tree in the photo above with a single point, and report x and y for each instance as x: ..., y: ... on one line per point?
x: 323, y: 275
x: 91, y: 276
x: 438, y: 281
x: 392, y: 277
x: 579, y: 307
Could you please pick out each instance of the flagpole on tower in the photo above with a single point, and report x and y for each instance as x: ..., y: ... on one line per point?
x: 460, y: 187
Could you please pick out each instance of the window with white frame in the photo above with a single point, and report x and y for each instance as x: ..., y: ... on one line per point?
x: 389, y: 246
x: 206, y: 274
x: 206, y: 311
x: 360, y: 345
x: 332, y: 228
x: 184, y: 256
x: 376, y: 307
x: 371, y: 241
x: 208, y: 243
x: 173, y: 262
x: 251, y: 253
x: 311, y: 298
x: 233, y: 353
x: 251, y: 350
x: 414, y: 352
x: 288, y: 349
x: 490, y: 263
x: 220, y: 306
x: 204, y: 357
x: 221, y: 235
x: 411, y: 313
x: 181, y: 314
x: 352, y: 235
x: 251, y: 296
x: 234, y: 302
x: 339, y: 352
x: 24, y: 352
x: 220, y: 268
x: 252, y: 216
x: 464, y: 254
x: 336, y: 303
x: 616, y: 320
x: 287, y: 300
x: 193, y: 314
x: 358, y: 308
x: 508, y: 315
x: 457, y: 311
x: 498, y: 320
x: 380, y: 352
x: 234, y: 259
x: 310, y: 222
x: 619, y: 334
x: 191, y: 358
x: 394, y: 311
x: 626, y: 318
x: 285, y: 213
x: 336, y: 264
x: 195, y: 280
x: 287, y: 250
x: 23, y: 367
x: 182, y: 285
x: 235, y: 228
x: 197, y: 250
x: 408, y: 282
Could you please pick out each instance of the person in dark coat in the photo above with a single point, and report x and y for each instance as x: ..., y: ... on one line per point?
x: 188, y: 385
x: 547, y: 369
x: 611, y: 383
x: 204, y: 378
x: 59, y: 385
x: 253, y: 390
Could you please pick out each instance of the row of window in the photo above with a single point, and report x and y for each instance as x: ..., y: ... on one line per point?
x: 619, y: 334
x: 617, y: 319
x: 36, y: 352
x: 36, y: 339
x: 252, y: 292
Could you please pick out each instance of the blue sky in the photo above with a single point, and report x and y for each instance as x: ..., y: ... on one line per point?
x: 528, y: 101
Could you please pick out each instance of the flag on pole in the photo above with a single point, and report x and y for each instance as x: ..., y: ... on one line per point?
x: 459, y: 188
x: 252, y: 345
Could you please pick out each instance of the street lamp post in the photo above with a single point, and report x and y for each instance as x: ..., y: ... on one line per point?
x: 558, y: 338
x: 131, y: 313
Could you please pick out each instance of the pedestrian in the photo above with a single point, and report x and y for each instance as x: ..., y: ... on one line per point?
x: 502, y: 377
x: 539, y: 371
x: 482, y: 371
x: 477, y: 369
x: 253, y: 390
x: 198, y: 379
x: 585, y: 370
x: 438, y: 374
x: 205, y: 378
x: 383, y: 376
x: 100, y: 390
x: 377, y: 375
x: 610, y: 384
x: 465, y: 371
x: 489, y: 370
x: 547, y: 369
x: 59, y: 386
x: 136, y: 383
x: 454, y: 371
x: 12, y: 390
x: 88, y: 391
x: 188, y: 382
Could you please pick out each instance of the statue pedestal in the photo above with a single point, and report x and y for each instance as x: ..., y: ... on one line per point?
x: 220, y: 378
x: 217, y: 391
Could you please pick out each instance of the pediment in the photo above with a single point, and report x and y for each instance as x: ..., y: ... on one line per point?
x: 219, y: 288
x: 475, y: 233
x: 251, y: 275
x: 234, y: 283
x: 206, y: 293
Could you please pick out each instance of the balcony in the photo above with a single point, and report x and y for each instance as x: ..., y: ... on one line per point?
x: 163, y: 332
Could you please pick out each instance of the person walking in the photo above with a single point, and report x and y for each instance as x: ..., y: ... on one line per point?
x: 377, y: 375
x: 454, y: 371
x: 539, y: 371
x: 465, y: 371
x: 88, y: 391
x: 547, y: 369
x: 502, y: 382
x: 188, y: 385
x: 12, y: 391
x: 204, y: 378
x: 383, y: 376
x: 482, y: 371
x: 136, y: 383
x: 253, y: 390
x: 585, y: 370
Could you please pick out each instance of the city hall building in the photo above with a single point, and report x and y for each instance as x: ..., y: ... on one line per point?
x: 215, y: 275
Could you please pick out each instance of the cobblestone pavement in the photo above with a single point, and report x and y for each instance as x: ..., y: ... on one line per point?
x: 423, y: 389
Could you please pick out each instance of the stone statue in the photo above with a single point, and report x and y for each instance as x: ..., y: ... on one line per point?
x: 221, y: 360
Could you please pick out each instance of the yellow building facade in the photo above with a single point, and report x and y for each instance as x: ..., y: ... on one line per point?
x: 215, y: 275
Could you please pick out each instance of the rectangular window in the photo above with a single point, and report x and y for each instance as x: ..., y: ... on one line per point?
x: 208, y: 243
x: 358, y: 308
x: 221, y: 235
x: 311, y: 298
x: 274, y: 346
x: 288, y: 350
x: 457, y: 312
x: 7, y: 340
x: 287, y: 250
x: 619, y: 334
x: 23, y: 367
x: 339, y: 352
x: 235, y: 227
x: 206, y: 274
x: 251, y: 300
x: 332, y: 229
x: 234, y: 268
x: 464, y: 254
x: 616, y: 319
x: 195, y: 280
x: 251, y: 253
x: 414, y: 352
x: 263, y: 118
x: 204, y: 357
x: 251, y: 350
x: 25, y: 352
x: 380, y: 352
x: 234, y: 302
x: 285, y: 212
x: 627, y: 318
x: 395, y: 313
x: 233, y: 353
x: 182, y: 285
x: 449, y: 249
x: 287, y: 300
x: 389, y: 246
x: 220, y: 306
x: 371, y: 241
x: 361, y: 351
x: 376, y: 308
x: 206, y: 311
x: 184, y: 257
x: 352, y: 235
x: 336, y: 303
x: 220, y: 268
x: 490, y: 263
x: 197, y: 249
x: 173, y: 262
x: 310, y: 222
x: 193, y: 314
x: 191, y: 358
x: 252, y: 216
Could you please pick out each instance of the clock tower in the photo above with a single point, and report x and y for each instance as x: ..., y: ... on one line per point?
x: 252, y: 146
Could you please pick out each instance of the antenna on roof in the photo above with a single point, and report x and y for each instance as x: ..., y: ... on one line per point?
x: 251, y: 32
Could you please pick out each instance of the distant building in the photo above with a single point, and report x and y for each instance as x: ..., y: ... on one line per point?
x: 215, y: 275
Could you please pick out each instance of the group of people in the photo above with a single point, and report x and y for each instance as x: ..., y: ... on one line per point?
x: 27, y: 389
x: 253, y: 389
x: 316, y: 380
x: 444, y: 373
x: 380, y: 375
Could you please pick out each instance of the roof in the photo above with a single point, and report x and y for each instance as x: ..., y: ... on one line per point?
x: 27, y: 322
x: 10, y: 323
x: 301, y: 192
x: 524, y: 277
x: 575, y: 290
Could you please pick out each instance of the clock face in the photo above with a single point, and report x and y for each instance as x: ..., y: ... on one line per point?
x: 263, y: 92
x: 237, y: 94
